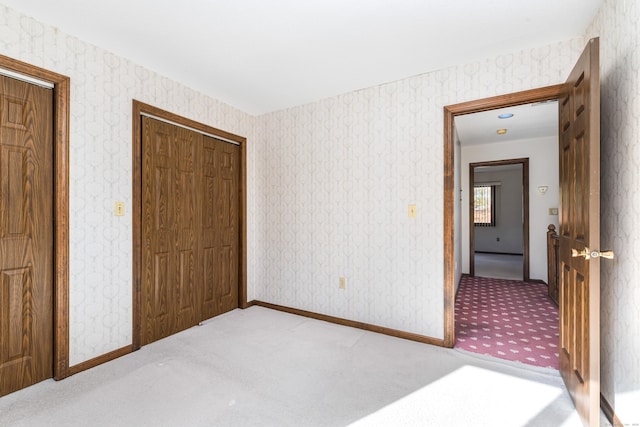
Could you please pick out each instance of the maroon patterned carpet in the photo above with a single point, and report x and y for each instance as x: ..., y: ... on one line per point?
x: 507, y: 319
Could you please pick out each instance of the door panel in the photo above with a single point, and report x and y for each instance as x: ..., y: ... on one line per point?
x: 26, y: 235
x: 190, y: 228
x: 221, y: 227
x: 188, y: 225
x: 159, y: 270
x: 579, y: 118
x: 170, y: 181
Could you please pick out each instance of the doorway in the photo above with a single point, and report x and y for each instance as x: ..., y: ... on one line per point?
x: 499, y: 219
x: 579, y: 128
x: 451, y: 193
x: 57, y: 160
x: 497, y: 313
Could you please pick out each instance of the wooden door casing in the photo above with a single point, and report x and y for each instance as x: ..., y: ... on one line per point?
x: 26, y: 234
x: 579, y: 121
x: 190, y: 228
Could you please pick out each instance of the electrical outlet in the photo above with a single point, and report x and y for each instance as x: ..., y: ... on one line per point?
x: 343, y: 283
x: 553, y: 211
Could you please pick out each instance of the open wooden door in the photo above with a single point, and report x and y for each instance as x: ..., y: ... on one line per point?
x: 579, y: 111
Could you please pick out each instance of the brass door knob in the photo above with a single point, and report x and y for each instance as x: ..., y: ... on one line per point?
x: 584, y: 253
x: 588, y: 254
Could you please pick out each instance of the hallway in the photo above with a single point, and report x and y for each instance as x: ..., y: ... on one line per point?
x: 506, y: 319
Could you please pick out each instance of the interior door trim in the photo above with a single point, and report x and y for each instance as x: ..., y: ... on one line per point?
x: 140, y: 109
x: 450, y: 112
x: 61, y: 97
x: 525, y: 212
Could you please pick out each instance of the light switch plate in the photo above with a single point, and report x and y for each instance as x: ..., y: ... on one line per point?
x: 412, y: 211
x: 553, y: 211
x: 119, y: 209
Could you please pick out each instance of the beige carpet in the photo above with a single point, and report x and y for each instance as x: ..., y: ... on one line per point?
x: 259, y: 367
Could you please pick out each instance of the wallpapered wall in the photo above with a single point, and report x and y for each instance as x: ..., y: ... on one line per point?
x: 618, y: 25
x: 335, y: 177
x: 102, y: 88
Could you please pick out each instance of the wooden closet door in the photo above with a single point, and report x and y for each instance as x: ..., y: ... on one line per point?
x: 221, y: 227
x: 26, y: 235
x: 171, y: 182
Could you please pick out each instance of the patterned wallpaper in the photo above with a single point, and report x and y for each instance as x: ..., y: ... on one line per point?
x: 102, y: 87
x: 617, y: 24
x: 334, y: 179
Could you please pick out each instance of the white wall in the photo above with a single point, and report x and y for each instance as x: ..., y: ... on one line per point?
x: 543, y: 170
x: 617, y: 24
x: 508, y: 213
x: 102, y: 88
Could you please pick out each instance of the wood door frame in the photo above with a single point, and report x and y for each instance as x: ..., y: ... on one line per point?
x: 140, y: 108
x: 60, y: 163
x: 525, y: 211
x: 450, y: 112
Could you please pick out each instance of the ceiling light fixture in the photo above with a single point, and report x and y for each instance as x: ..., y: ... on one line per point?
x: 505, y: 116
x: 501, y: 131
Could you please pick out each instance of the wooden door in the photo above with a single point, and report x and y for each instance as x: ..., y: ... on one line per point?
x: 26, y: 235
x: 579, y: 112
x: 171, y: 182
x: 221, y: 213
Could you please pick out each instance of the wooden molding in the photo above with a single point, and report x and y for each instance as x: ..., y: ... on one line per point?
x: 248, y: 304
x: 352, y: 323
x: 498, y: 253
x: 138, y: 109
x: 136, y: 217
x: 100, y: 360
x: 450, y: 111
x: 609, y: 412
x: 61, y: 96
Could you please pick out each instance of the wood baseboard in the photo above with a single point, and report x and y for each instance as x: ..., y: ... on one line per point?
x: 337, y: 320
x: 354, y: 324
x: 497, y: 253
x: 247, y: 304
x: 99, y: 360
x: 609, y: 412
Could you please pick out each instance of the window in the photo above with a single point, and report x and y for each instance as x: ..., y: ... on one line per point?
x: 484, y: 204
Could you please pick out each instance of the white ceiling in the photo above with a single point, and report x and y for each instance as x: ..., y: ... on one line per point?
x: 529, y: 121
x: 267, y: 55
